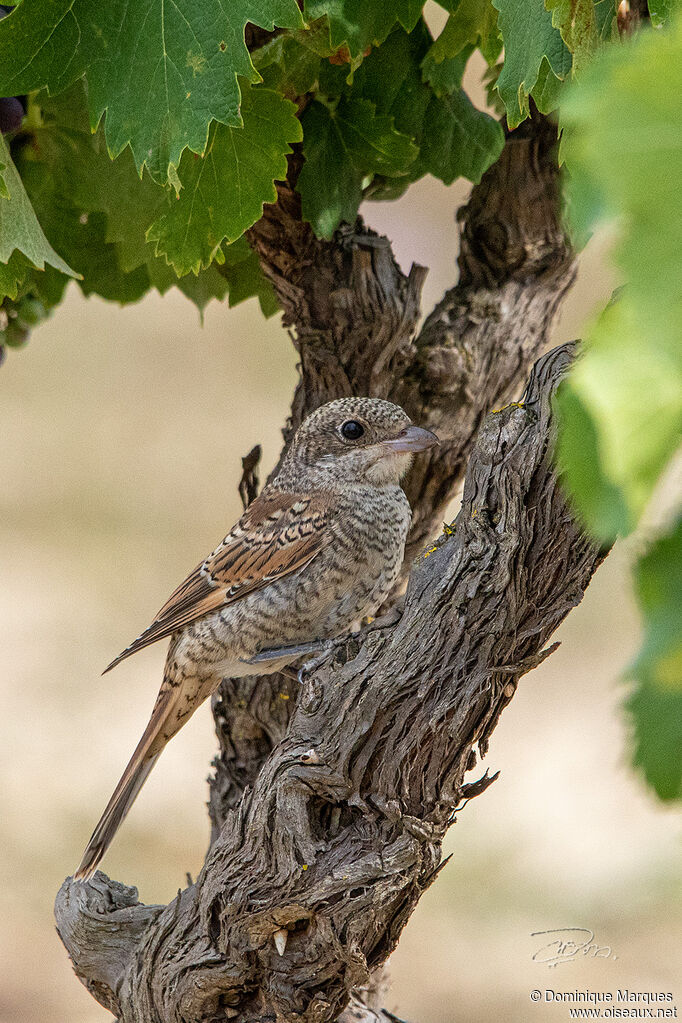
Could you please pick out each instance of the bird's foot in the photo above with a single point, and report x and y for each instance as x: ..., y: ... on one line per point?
x: 324, y: 649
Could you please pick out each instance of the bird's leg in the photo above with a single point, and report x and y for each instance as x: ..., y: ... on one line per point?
x: 290, y: 652
x: 320, y: 648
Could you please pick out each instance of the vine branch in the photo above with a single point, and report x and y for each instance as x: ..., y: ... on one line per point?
x: 315, y: 872
x: 329, y: 805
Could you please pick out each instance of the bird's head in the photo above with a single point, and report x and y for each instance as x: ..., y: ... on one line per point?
x: 353, y: 440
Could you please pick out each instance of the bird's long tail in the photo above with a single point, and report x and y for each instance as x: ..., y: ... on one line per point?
x: 162, y: 725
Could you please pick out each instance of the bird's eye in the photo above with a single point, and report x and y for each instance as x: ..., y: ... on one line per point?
x: 352, y: 430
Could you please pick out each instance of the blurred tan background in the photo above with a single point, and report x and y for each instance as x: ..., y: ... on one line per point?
x: 122, y: 431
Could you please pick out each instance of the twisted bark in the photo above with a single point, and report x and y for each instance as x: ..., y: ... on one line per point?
x: 329, y: 852
x: 353, y: 314
x: 329, y: 805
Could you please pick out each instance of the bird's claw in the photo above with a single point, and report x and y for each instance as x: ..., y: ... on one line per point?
x: 324, y: 650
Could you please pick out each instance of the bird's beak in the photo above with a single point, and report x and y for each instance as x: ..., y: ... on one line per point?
x: 411, y: 440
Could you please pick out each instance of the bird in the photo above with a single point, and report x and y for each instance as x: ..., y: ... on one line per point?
x: 313, y: 555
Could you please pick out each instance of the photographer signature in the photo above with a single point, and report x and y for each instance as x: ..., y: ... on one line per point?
x: 566, y: 944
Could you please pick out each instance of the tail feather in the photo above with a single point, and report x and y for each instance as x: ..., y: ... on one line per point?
x: 124, y: 796
x: 163, y: 720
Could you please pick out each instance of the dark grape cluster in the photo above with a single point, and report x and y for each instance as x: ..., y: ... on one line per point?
x: 12, y: 108
x: 17, y: 319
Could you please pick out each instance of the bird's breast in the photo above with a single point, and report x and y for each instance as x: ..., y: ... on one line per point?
x: 363, y: 562
x: 347, y: 580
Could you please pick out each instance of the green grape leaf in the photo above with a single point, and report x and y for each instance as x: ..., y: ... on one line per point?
x: 577, y: 22
x: 329, y: 184
x: 242, y: 272
x: 13, y: 274
x: 595, y: 497
x: 624, y: 152
x: 656, y: 702
x: 89, y: 182
x: 455, y: 138
x: 661, y: 11
x: 81, y: 168
x: 445, y: 77
x: 98, y: 184
x: 528, y: 36
x: 606, y: 15
x: 340, y: 147
x: 657, y: 718
x: 239, y: 278
x: 204, y: 287
x: 360, y: 24
x: 547, y: 89
x: 20, y: 229
x: 48, y: 286
x: 98, y: 261
x: 288, y: 65
x: 81, y: 237
x: 161, y: 71
x: 199, y: 289
x: 225, y: 190
x: 458, y: 139
x: 630, y: 388
x: 391, y: 78
x: 370, y: 140
x: 472, y: 23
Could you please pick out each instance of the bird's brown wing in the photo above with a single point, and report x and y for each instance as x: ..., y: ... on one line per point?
x: 278, y: 534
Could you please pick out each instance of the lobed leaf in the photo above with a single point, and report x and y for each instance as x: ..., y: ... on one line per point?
x: 225, y: 190
x: 341, y: 146
x: 370, y: 139
x: 391, y: 78
x: 547, y: 90
x: 330, y: 184
x: 529, y: 37
x: 243, y: 275
x: 455, y: 139
x: 20, y: 230
x: 445, y: 77
x: 661, y: 11
x: 288, y: 64
x: 658, y: 584
x: 458, y: 140
x: 161, y: 72
x: 13, y: 275
x: 69, y: 170
x: 577, y: 23
x: 361, y: 24
x: 472, y: 23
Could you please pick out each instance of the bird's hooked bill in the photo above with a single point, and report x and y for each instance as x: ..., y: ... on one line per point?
x: 412, y: 439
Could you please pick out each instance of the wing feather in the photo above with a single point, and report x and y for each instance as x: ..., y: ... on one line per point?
x: 278, y: 534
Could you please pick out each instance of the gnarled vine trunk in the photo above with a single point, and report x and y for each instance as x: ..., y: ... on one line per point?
x: 329, y: 805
